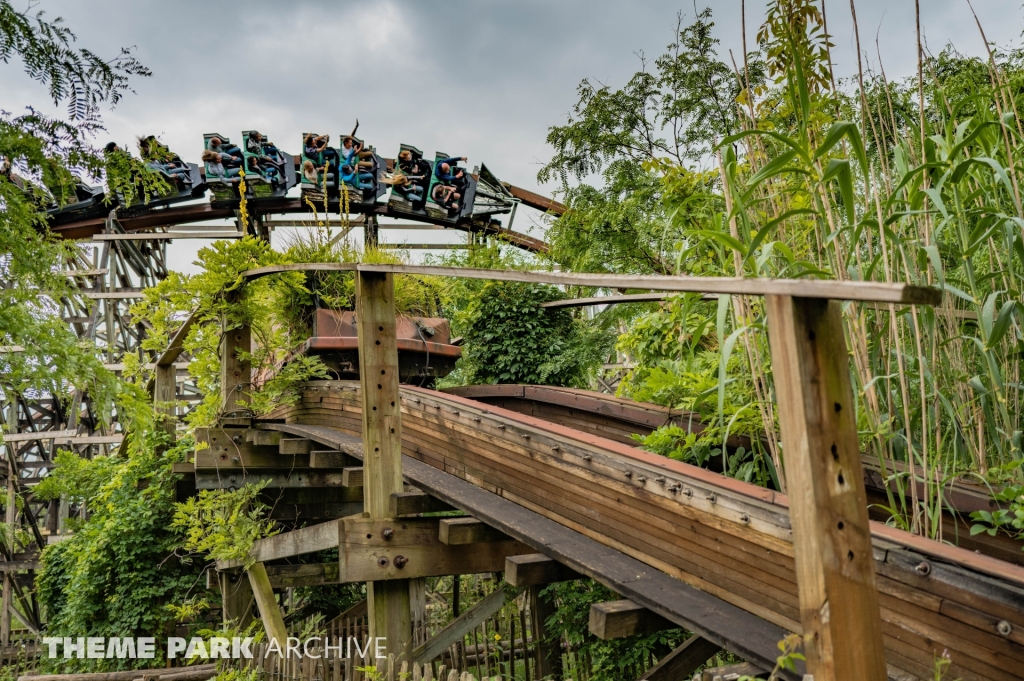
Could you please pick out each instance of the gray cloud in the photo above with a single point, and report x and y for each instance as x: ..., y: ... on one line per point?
x: 483, y: 79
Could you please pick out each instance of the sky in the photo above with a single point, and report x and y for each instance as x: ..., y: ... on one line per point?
x: 476, y: 78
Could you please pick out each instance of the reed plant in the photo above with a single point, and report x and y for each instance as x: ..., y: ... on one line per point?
x: 866, y: 180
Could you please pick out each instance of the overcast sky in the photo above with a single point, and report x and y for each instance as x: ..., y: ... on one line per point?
x: 483, y: 79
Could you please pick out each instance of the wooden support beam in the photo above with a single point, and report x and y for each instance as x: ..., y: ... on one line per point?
x: 310, y: 539
x: 536, y: 569
x: 413, y: 503
x: 302, y: 574
x: 460, y: 626
x: 352, y: 477
x: 164, y: 395
x: 682, y: 662
x: 299, y: 479
x: 547, y: 654
x: 619, y: 619
x: 388, y: 601
x: 397, y: 548
x: 235, y: 372
x: 333, y: 459
x: 270, y: 612
x: 462, y: 531
x: 835, y: 569
x: 295, y: 445
x: 10, y: 516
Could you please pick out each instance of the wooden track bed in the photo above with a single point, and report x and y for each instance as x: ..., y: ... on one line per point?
x: 618, y: 419
x: 720, y: 535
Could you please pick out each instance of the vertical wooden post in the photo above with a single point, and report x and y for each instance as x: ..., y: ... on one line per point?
x: 418, y: 610
x: 547, y: 656
x: 387, y: 601
x: 236, y: 599
x: 235, y: 373
x: 828, y: 508
x: 164, y: 394
x: 270, y: 613
x: 10, y: 517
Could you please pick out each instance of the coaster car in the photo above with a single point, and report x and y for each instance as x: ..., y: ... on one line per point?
x: 358, y: 168
x: 318, y: 168
x: 452, y: 190
x: 90, y: 202
x: 182, y: 181
x: 269, y: 172
x: 409, y: 180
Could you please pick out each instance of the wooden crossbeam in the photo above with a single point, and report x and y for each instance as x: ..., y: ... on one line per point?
x: 272, y: 479
x: 303, y: 574
x: 311, y: 539
x: 330, y: 458
x: 867, y: 291
x: 292, y: 445
x: 163, y: 236
x: 264, y: 437
x: 619, y: 619
x: 463, y: 531
x: 404, y: 548
x: 413, y: 503
x: 536, y: 569
x: 352, y: 476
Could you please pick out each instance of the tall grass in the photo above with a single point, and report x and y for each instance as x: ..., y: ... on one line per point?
x: 914, y: 182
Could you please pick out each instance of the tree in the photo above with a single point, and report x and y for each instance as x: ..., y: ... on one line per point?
x: 675, y: 108
x: 42, y: 158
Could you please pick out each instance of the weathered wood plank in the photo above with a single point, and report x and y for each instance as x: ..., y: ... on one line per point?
x: 828, y: 505
x: 619, y: 619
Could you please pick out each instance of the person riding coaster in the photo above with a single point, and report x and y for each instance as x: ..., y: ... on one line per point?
x: 230, y: 155
x: 355, y: 179
x: 316, y: 149
x: 411, y: 176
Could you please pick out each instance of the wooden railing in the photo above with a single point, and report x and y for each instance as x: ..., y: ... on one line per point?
x: 839, y: 608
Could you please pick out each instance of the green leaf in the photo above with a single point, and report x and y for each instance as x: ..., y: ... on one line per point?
x: 1002, y: 323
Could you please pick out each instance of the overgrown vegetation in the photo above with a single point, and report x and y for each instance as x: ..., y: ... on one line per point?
x: 914, y: 180
x: 765, y: 168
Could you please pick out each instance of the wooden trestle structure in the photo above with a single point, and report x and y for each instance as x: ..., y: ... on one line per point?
x: 739, y: 565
